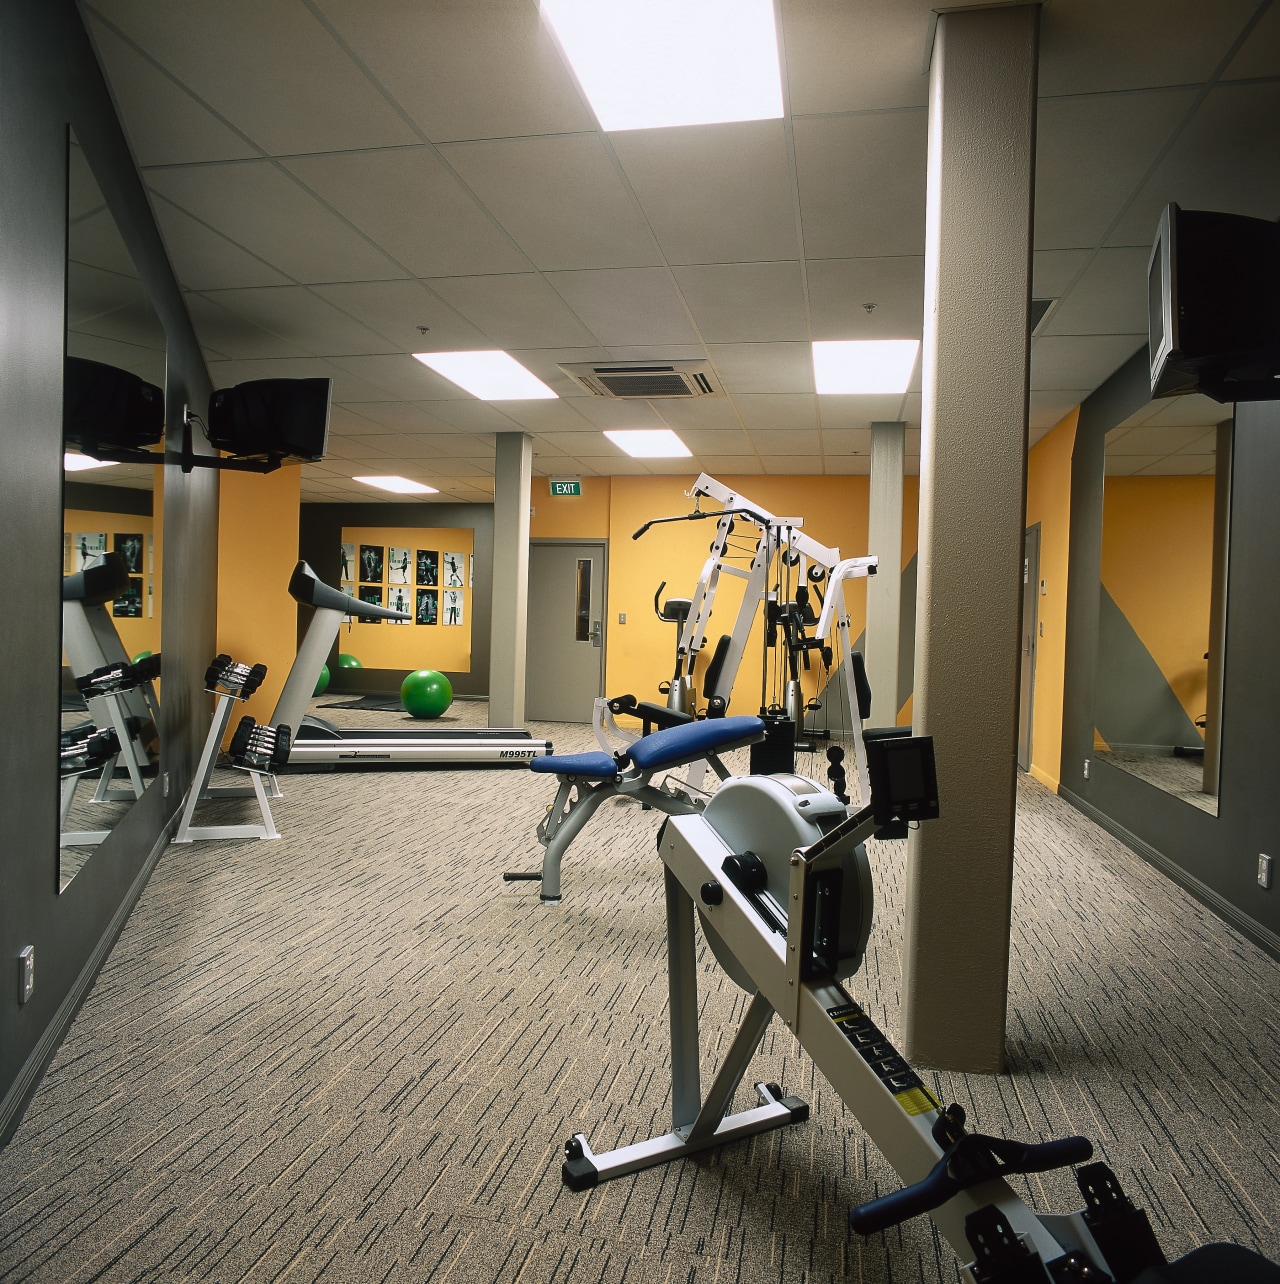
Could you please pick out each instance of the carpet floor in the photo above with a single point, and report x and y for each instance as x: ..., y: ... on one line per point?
x: 355, y: 1053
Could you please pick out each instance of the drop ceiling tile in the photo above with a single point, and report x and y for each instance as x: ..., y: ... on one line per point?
x: 354, y: 450
x: 1191, y: 410
x: 519, y: 310
x: 862, y: 184
x: 1110, y: 298
x: 717, y: 442
x: 351, y: 421
x: 859, y: 411
x: 545, y: 363
x: 771, y: 442
x: 1048, y: 409
x: 406, y: 200
x: 1091, y: 155
x: 1180, y: 466
x: 400, y: 376
x: 483, y: 69
x: 235, y: 335
x: 203, y: 259
x: 1260, y: 54
x: 395, y: 310
x: 1138, y: 417
x: 1095, y: 47
x: 1060, y: 362
x: 601, y: 413
x: 1153, y: 438
x: 745, y: 302
x: 1053, y: 271
x: 560, y: 198
x: 714, y: 193
x: 840, y: 289
x: 164, y: 123
x: 851, y: 466
x: 1223, y: 160
x: 260, y: 208
x: 226, y: 374
x: 346, y: 386
x: 685, y: 466
x: 792, y: 465
x: 1127, y: 465
x: 627, y: 306
x: 664, y: 352
x: 781, y: 411
x: 546, y: 416
x: 299, y: 317
x: 582, y: 445
x: 732, y: 465
x: 708, y: 414
x: 472, y: 415
x: 846, y: 441
x: 1035, y: 436
x: 381, y: 416
x: 849, y: 58
x: 763, y: 367
x: 271, y: 70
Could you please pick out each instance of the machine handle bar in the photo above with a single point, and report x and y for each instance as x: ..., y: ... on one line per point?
x: 970, y: 1161
x: 759, y: 518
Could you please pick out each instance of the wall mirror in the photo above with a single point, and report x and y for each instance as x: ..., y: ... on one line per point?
x: 111, y: 526
x: 1165, y: 506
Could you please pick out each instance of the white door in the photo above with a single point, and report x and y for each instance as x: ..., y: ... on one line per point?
x: 564, y: 664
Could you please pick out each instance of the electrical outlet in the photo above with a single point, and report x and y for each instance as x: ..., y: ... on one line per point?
x: 622, y: 617
x: 1264, y: 870
x: 1086, y: 768
x: 26, y: 973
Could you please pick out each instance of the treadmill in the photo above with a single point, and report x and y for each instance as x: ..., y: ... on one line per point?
x: 316, y: 743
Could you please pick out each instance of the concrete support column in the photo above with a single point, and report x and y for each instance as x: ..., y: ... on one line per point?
x: 884, y: 589
x: 513, y: 473
x: 982, y: 128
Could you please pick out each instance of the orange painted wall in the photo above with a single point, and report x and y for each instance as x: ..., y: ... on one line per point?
x: 257, y: 551
x: 584, y: 516
x: 1157, y: 564
x: 641, y: 652
x: 1049, y: 503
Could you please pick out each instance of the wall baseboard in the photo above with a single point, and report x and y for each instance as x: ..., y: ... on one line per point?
x: 1263, y: 937
x: 28, y: 1078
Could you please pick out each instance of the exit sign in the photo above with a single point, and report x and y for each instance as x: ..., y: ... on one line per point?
x: 566, y: 486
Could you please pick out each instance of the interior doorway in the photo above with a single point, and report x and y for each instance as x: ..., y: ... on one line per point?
x: 1030, y: 638
x: 564, y: 664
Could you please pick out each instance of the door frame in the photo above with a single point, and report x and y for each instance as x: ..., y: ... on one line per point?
x: 580, y: 541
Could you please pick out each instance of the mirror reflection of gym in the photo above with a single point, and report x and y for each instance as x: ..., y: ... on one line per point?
x: 111, y: 525
x: 1161, y: 625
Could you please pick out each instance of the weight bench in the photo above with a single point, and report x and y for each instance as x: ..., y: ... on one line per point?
x: 599, y: 776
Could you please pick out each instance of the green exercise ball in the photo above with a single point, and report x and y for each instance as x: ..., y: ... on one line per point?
x: 142, y: 655
x: 322, y: 682
x: 426, y: 694
x: 346, y: 661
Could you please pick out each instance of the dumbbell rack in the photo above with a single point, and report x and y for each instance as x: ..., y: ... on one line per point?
x: 111, y: 684
x: 71, y: 777
x: 231, y: 683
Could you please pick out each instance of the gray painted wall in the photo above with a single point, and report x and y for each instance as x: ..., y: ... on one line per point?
x: 49, y: 81
x: 319, y: 539
x: 1214, y: 857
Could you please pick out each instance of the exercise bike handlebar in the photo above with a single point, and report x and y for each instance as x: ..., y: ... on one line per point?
x: 972, y: 1160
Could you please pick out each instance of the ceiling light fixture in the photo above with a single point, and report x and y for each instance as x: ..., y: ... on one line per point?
x: 79, y: 463
x: 649, y: 443
x: 398, y: 485
x: 864, y: 366
x: 492, y: 376
x: 651, y: 64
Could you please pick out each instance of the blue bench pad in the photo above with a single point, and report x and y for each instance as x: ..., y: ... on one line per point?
x: 593, y: 766
x: 690, y: 742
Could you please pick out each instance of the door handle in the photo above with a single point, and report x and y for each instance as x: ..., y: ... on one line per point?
x: 597, y: 633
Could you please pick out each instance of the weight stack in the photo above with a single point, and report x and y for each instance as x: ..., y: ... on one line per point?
x: 776, y: 754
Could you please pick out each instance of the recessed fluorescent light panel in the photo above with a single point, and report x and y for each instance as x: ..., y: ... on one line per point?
x: 78, y: 463
x: 491, y: 376
x: 398, y: 485
x: 865, y: 366
x: 650, y: 64
x: 649, y: 443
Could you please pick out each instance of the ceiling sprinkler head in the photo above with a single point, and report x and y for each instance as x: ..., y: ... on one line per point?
x: 868, y: 308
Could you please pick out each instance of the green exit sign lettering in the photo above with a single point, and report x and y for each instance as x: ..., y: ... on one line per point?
x: 566, y: 486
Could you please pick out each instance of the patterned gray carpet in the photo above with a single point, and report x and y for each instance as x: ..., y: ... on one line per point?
x: 354, y: 1054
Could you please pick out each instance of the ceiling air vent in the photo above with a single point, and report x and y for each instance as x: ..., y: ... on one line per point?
x: 631, y: 379
x: 1040, y: 309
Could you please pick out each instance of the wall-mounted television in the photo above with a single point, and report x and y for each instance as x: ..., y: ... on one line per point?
x: 1213, y: 297
x: 282, y: 417
x: 108, y: 409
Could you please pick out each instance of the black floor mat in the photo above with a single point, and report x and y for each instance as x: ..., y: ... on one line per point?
x: 374, y: 703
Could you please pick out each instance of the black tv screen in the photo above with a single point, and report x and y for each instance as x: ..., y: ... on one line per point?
x: 1213, y: 306
x: 285, y: 417
x: 105, y: 408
